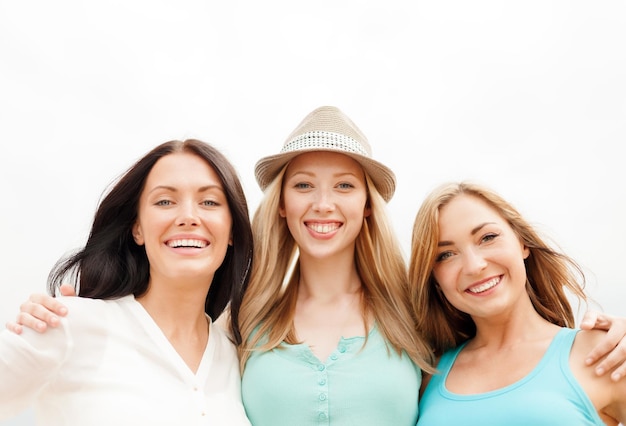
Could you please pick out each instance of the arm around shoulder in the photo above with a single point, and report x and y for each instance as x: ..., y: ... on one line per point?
x: 27, y: 363
x: 612, y: 343
x: 608, y: 396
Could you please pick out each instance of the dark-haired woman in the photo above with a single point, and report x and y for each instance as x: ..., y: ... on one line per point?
x: 168, y: 252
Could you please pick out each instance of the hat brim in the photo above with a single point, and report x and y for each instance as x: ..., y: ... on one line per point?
x: 267, y: 168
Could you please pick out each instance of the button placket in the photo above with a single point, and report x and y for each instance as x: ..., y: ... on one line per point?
x: 198, y: 397
x: 322, y: 395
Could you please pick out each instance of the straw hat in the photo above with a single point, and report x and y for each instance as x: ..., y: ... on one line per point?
x: 327, y: 129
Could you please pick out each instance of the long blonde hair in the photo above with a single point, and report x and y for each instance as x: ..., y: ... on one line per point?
x: 268, y: 307
x: 549, y: 273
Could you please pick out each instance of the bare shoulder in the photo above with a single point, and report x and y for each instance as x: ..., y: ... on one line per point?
x: 585, y: 341
x: 608, y: 397
x: 426, y: 378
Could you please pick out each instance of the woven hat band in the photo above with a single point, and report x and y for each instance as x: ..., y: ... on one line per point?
x: 327, y: 128
x: 324, y: 140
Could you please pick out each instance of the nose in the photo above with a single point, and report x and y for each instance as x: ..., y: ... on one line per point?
x: 323, y: 201
x: 187, y: 215
x: 473, y: 261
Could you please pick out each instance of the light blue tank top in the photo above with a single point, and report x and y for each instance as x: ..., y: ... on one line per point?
x: 356, y: 385
x: 548, y: 395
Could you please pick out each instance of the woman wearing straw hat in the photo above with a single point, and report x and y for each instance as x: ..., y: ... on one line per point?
x: 328, y: 337
x: 327, y: 329
x: 328, y: 333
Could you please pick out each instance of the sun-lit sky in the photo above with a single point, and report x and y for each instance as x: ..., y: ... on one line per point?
x: 528, y: 97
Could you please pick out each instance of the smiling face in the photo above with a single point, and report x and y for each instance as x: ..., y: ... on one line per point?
x: 183, y: 219
x: 480, y: 260
x: 324, y: 202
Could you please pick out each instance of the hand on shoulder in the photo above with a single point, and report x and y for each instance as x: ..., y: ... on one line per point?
x: 607, y: 395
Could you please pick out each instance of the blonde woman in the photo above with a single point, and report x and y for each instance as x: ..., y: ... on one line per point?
x: 327, y: 328
x: 329, y: 337
x: 492, y: 299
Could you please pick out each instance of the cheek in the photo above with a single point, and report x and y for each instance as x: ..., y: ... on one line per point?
x: 521, y: 271
x: 292, y: 225
x: 358, y: 208
x: 362, y: 213
x: 151, y: 227
x: 291, y: 212
x: 445, y: 277
x: 220, y: 226
x: 515, y: 258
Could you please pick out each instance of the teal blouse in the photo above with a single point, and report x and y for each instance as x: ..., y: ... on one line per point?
x: 356, y: 385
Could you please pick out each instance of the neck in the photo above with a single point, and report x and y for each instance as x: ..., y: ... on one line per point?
x: 328, y: 281
x: 177, y: 310
x: 510, y: 329
x: 335, y: 273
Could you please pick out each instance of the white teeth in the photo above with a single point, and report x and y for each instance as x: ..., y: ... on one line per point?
x: 187, y: 243
x: 323, y: 228
x: 486, y: 286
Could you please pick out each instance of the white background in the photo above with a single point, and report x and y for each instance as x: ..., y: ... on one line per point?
x: 527, y: 96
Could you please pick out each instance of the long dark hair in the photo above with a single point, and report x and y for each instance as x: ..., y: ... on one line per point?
x: 111, y: 265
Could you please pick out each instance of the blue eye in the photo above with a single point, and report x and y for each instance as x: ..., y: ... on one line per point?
x: 163, y: 203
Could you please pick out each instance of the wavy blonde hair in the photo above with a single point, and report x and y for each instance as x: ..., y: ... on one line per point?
x: 268, y: 307
x: 549, y: 273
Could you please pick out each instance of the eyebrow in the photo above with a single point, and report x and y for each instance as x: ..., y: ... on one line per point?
x: 472, y: 232
x: 174, y: 189
x: 313, y: 174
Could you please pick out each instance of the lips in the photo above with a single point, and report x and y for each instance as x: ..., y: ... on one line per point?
x: 323, y: 228
x: 187, y: 243
x: 481, y: 288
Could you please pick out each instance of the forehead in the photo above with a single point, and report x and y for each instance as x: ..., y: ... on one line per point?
x: 324, y: 160
x: 182, y: 168
x: 466, y: 210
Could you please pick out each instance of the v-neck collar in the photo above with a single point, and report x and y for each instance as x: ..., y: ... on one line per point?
x: 160, y: 340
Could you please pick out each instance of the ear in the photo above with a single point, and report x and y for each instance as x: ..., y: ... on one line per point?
x: 281, y: 211
x: 525, y: 252
x: 367, y: 211
x: 137, y: 236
